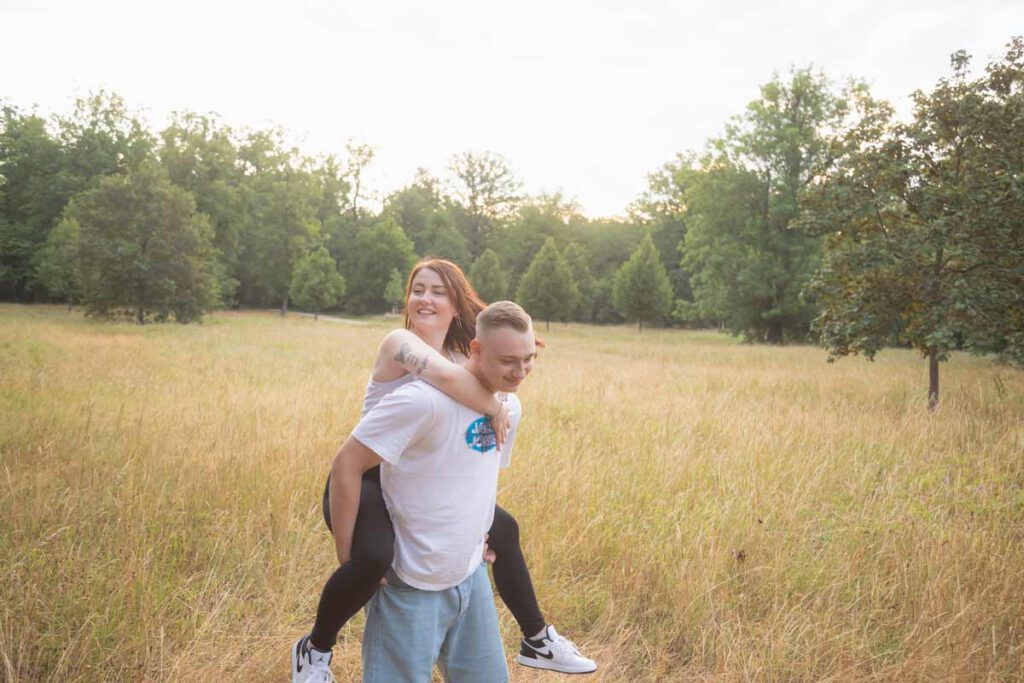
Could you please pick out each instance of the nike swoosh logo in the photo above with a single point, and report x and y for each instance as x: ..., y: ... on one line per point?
x: 298, y: 656
x: 545, y: 653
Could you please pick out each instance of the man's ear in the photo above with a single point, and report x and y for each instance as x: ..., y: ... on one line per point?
x: 474, y: 347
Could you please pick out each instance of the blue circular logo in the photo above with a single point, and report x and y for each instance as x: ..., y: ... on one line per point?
x: 480, y: 435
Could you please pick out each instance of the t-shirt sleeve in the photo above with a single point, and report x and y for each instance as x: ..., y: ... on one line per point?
x: 401, y: 417
x: 515, y: 415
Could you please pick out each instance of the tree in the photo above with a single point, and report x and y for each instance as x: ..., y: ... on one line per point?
x: 316, y: 283
x: 394, y: 293
x: 413, y: 206
x: 642, y: 290
x: 488, y: 278
x: 57, y: 263
x: 30, y: 160
x: 359, y: 157
x: 283, y: 197
x: 201, y: 156
x: 748, y: 264
x: 442, y: 240
x: 379, y: 250
x: 141, y: 247
x: 584, y: 280
x: 925, y: 244
x: 487, y: 189
x: 546, y: 290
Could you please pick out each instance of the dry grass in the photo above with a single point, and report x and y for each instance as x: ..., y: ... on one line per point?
x: 692, y: 509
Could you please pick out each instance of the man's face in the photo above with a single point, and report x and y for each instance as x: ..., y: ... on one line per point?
x: 505, y: 357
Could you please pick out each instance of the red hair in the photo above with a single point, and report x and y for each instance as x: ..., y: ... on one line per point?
x: 466, y: 302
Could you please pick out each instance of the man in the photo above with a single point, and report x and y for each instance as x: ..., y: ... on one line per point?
x: 439, y: 479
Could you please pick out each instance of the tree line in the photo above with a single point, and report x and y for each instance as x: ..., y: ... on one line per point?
x: 815, y: 215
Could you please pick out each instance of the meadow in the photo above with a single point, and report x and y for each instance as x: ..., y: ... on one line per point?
x: 691, y: 508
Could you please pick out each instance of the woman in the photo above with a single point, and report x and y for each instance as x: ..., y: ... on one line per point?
x: 440, y: 320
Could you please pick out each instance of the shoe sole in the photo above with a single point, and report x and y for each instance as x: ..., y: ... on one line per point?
x: 543, y: 664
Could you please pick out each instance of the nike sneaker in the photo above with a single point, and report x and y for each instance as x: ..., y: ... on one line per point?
x: 310, y: 665
x: 554, y: 653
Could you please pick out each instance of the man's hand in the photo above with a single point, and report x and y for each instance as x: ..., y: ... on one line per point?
x: 489, y: 555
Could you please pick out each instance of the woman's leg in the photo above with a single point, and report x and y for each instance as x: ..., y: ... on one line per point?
x: 511, y: 577
x: 353, y: 584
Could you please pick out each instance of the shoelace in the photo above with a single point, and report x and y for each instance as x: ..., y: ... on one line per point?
x: 562, y: 643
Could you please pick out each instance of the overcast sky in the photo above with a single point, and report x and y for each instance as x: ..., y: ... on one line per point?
x: 581, y: 97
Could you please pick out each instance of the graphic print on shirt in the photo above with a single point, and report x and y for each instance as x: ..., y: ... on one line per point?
x: 480, y: 435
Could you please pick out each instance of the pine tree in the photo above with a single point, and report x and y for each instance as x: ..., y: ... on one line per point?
x: 547, y: 290
x: 584, y: 280
x: 642, y: 289
x: 488, y: 278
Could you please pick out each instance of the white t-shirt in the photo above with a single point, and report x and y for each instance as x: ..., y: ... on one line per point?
x: 440, y: 480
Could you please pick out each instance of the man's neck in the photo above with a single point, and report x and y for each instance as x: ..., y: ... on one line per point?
x: 474, y: 369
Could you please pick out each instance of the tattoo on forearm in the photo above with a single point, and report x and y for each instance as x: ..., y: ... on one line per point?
x: 410, y: 360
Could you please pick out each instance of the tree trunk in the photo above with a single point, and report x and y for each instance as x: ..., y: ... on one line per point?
x: 933, y: 377
x: 284, y: 306
x: 547, y: 325
x: 69, y: 305
x: 639, y: 326
x: 316, y: 316
x: 775, y: 333
x: 141, y: 316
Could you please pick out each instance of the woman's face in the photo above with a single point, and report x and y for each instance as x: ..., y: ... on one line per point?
x: 428, y: 305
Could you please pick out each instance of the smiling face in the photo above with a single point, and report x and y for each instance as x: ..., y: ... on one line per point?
x: 429, y: 306
x: 503, y: 357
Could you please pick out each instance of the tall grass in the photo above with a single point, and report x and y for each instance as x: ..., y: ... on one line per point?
x: 691, y: 509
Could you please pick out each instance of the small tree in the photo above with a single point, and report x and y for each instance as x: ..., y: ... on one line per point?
x: 394, y: 293
x: 547, y: 290
x: 642, y: 290
x: 488, y: 278
x: 57, y: 262
x: 584, y: 280
x: 316, y: 283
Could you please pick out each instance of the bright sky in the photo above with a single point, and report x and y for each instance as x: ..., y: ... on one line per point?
x: 581, y: 97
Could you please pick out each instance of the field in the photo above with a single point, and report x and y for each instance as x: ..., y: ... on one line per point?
x: 691, y: 508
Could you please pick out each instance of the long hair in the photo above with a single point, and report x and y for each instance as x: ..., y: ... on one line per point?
x: 466, y: 302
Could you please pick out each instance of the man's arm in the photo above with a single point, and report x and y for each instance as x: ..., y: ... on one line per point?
x: 352, y: 459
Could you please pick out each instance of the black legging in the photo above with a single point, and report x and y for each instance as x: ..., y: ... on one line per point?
x: 373, y: 545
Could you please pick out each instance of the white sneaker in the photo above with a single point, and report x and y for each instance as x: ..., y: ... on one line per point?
x: 310, y: 665
x: 554, y: 653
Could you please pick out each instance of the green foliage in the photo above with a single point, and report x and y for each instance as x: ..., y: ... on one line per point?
x: 316, y: 283
x: 442, y: 240
x: 30, y: 160
x: 141, y: 248
x: 488, y: 278
x: 57, y: 262
x: 394, y: 293
x: 546, y: 290
x: 642, y: 290
x: 379, y: 250
x: 748, y: 264
x: 488, y: 191
x: 201, y: 157
x: 413, y: 206
x: 584, y: 280
x: 283, y: 199
x: 925, y: 245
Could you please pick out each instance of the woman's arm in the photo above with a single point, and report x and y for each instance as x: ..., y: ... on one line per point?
x: 403, y: 352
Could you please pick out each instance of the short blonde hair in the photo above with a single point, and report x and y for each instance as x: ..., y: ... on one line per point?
x: 503, y: 314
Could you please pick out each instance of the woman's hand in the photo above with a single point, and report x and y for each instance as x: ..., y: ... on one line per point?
x: 500, y: 424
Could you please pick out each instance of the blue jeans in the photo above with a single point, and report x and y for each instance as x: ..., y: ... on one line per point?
x: 408, y: 630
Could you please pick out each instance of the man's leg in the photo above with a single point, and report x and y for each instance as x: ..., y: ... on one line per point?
x: 472, y: 651
x: 405, y: 628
